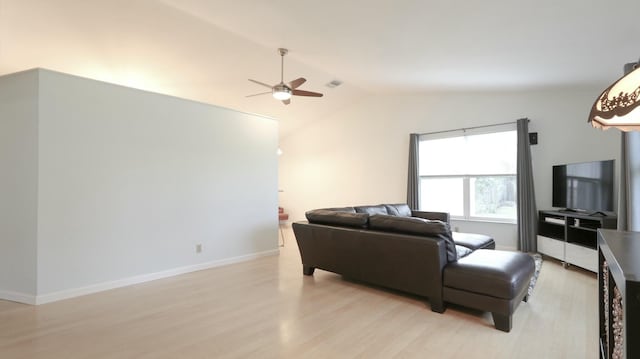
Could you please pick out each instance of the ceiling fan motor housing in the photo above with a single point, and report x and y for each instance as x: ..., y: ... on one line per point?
x: 281, y: 91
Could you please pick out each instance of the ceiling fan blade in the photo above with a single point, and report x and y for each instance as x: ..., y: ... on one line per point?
x: 305, y: 93
x: 286, y: 102
x: 258, y: 94
x: 297, y: 82
x: 260, y: 83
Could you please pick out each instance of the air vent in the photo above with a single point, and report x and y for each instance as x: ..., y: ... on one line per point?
x: 334, y: 84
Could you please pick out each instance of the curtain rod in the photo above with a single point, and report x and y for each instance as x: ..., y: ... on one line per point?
x: 471, y: 128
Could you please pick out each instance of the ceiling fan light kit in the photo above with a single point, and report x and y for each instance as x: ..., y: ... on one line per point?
x: 283, y: 91
x: 619, y: 104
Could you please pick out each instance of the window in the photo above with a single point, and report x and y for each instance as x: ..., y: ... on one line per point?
x: 471, y: 174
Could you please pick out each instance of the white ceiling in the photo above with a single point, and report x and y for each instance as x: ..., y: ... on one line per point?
x: 206, y: 50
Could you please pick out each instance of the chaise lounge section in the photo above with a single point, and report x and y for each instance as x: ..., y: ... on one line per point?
x: 415, y: 252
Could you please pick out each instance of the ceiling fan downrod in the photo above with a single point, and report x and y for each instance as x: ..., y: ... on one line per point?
x: 282, y: 52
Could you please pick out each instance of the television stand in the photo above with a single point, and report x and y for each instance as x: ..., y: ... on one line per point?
x: 571, y: 237
x: 598, y: 213
x: 569, y: 210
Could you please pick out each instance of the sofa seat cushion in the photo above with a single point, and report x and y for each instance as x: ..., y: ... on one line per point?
x: 415, y: 226
x: 463, y: 251
x: 338, y: 218
x: 399, y: 209
x: 500, y: 274
x: 474, y: 241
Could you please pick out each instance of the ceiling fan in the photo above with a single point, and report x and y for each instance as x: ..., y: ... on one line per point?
x: 283, y: 91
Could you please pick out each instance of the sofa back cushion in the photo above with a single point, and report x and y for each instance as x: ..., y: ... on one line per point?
x: 399, y: 209
x: 338, y: 218
x: 416, y: 226
x: 378, y: 209
x: 342, y: 209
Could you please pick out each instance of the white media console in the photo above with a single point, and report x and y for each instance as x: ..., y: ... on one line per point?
x: 572, y: 237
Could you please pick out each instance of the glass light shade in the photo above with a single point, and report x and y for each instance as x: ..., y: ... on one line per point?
x: 619, y: 105
x: 281, y: 92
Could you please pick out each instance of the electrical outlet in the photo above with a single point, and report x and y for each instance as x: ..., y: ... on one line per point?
x: 198, y: 248
x: 456, y: 229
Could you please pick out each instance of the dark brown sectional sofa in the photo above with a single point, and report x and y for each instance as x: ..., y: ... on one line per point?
x: 412, y: 251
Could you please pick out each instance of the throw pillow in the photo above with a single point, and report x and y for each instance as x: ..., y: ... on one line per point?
x: 379, y: 209
x: 400, y: 209
x: 325, y: 216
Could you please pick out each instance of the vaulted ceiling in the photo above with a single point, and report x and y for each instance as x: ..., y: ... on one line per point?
x: 205, y: 50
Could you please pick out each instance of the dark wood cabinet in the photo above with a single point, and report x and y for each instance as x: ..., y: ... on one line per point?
x: 619, y: 294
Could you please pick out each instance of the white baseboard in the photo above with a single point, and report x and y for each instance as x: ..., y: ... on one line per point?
x: 18, y: 297
x: 94, y: 288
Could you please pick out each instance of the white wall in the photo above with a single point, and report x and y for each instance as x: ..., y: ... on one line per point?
x: 130, y: 181
x: 18, y: 184
x: 360, y: 155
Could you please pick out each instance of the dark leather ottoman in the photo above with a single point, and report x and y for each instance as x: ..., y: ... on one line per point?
x: 473, y: 241
x: 490, y: 280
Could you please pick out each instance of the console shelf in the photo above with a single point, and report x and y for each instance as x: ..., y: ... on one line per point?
x: 619, y: 294
x: 572, y: 237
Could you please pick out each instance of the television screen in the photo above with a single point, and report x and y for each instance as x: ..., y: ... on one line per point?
x: 586, y: 186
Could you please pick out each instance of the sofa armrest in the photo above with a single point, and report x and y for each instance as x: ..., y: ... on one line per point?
x: 440, y: 216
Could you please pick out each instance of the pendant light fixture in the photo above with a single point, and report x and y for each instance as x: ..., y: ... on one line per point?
x: 619, y: 105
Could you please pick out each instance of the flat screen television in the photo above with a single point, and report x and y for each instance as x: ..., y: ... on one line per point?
x: 584, y: 187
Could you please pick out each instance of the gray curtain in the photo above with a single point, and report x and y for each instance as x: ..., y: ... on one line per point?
x: 629, y: 191
x: 413, y: 181
x: 527, y: 211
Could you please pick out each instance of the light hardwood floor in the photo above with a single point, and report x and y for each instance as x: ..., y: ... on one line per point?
x: 266, y: 308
